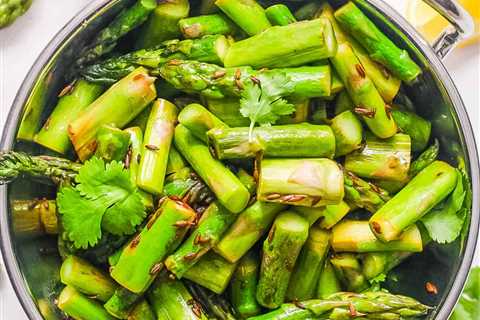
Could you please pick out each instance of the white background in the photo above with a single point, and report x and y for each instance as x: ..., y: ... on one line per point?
x: 22, y: 42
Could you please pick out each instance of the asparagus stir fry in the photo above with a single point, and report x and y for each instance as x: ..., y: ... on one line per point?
x: 247, y: 162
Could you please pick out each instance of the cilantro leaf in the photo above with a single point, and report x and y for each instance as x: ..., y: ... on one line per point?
x: 467, y: 307
x: 104, y: 198
x: 263, y: 103
x: 445, y: 222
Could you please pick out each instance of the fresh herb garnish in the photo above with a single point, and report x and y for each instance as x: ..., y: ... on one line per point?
x: 104, y: 198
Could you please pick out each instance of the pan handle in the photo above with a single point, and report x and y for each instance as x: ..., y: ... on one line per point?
x: 462, y: 25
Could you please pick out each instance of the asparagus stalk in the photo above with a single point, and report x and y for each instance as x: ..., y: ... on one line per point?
x: 300, y: 182
x: 213, y: 223
x: 228, y: 111
x: 79, y: 307
x: 208, y: 6
x: 170, y: 299
x: 142, y: 311
x: 247, y: 14
x: 376, y: 263
x: 207, y: 49
x: 308, y: 267
x: 32, y: 218
x: 226, y: 186
x: 415, y: 126
x: 212, y: 272
x: 53, y: 135
x: 112, y: 143
x: 48, y: 310
x: 249, y: 227
x: 386, y: 84
x: 421, y: 194
x: 212, y: 81
x: 368, y: 305
x: 307, y: 11
x: 328, y: 283
x: 349, y: 271
x: 337, y: 85
x: 368, y: 102
x: 280, y: 251
x: 199, y: 120
x: 363, y: 194
x: 175, y: 163
x: 215, y: 306
x: 378, y: 45
x: 247, y: 180
x: 343, y: 103
x: 356, y: 236
x: 121, y: 303
x: 125, y: 22
x: 386, y: 159
x: 44, y: 168
x: 213, y: 24
x: 328, y: 216
x: 348, y: 133
x: 87, y: 279
x: 163, y: 23
x: 117, y: 106
x: 310, y: 214
x: 314, y: 40
x: 156, y: 146
x: 296, y: 140
x: 243, y: 287
x: 280, y: 15
x: 132, y: 162
x: 142, y: 259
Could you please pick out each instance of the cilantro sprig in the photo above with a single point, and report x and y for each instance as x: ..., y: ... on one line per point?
x: 104, y: 198
x: 262, y: 102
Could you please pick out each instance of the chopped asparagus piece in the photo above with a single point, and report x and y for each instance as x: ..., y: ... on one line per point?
x: 112, y: 143
x: 33, y: 218
x: 280, y: 15
x: 348, y: 133
x: 328, y: 283
x: 213, y: 24
x: 415, y: 126
x: 349, y: 271
x: 142, y: 311
x: 122, y: 303
x: 328, y: 215
x: 199, y: 120
x: 80, y: 307
x: 247, y: 14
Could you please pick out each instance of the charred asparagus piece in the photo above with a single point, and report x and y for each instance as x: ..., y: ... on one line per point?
x: 33, y: 218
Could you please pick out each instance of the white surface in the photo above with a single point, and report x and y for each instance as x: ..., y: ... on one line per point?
x: 21, y: 43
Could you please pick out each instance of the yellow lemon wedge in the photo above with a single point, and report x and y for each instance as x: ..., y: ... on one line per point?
x: 430, y: 23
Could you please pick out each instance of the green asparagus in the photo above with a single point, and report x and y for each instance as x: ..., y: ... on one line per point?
x: 80, y: 307
x: 199, y: 120
x: 348, y: 133
x: 11, y: 10
x: 142, y: 311
x: 415, y: 126
x: 33, y: 218
x: 112, y: 143
x: 247, y: 14
x: 122, y: 303
x: 348, y: 270
x: 328, y: 283
x: 280, y: 15
x: 196, y: 27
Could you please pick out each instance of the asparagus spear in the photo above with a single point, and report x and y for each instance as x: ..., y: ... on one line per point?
x: 279, y: 15
x: 243, y: 287
x: 142, y: 259
x: 247, y: 180
x: 332, y: 214
x: 199, y: 26
x: 122, y: 303
x: 117, y: 106
x: 348, y: 133
x: 207, y: 49
x: 308, y: 267
x: 226, y: 186
x: 328, y: 283
x: 170, y: 299
x: 215, y: 306
x: 84, y: 277
x: 142, y: 311
x: 386, y: 159
x: 368, y: 305
x: 212, y: 272
x: 163, y: 23
x: 249, y: 227
x: 386, y: 84
x: 415, y: 126
x: 280, y: 251
x: 314, y: 40
x: 156, y: 146
x: 213, y: 223
x: 356, y: 236
x: 53, y: 135
x: 310, y: 214
x: 368, y: 102
x: 112, y: 143
x: 126, y: 21
x: 349, y: 271
x: 307, y: 11
x: 247, y: 14
x: 363, y: 194
x: 79, y: 307
x: 228, y: 111
x: 199, y: 120
x: 421, y: 194
x: 376, y: 263
x: 48, y: 310
x: 300, y: 182
x: 175, y: 163
x: 296, y: 140
x: 378, y: 45
x: 32, y: 218
x: 216, y: 82
x: 132, y: 162
x: 343, y: 103
x: 337, y: 85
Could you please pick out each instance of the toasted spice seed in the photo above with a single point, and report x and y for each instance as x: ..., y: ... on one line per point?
x: 135, y: 241
x: 353, y: 311
x: 388, y: 111
x: 293, y: 197
x: 128, y: 158
x: 271, y: 234
x: 190, y: 256
x: 374, y: 187
x: 199, y: 239
x: 139, y: 157
x: 239, y: 84
x: 183, y: 224
x: 298, y: 304
x: 162, y: 200
x: 364, y: 112
x: 315, y: 200
x: 174, y: 62
x: 67, y: 89
x: 255, y: 80
x: 376, y: 227
x: 360, y: 70
x: 219, y: 74
x: 197, y: 310
x: 431, y: 288
x: 151, y: 147
x: 238, y: 74
x: 273, y: 196
x: 156, y: 268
